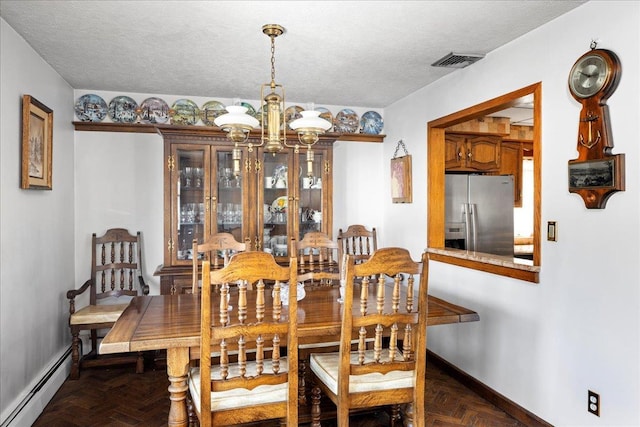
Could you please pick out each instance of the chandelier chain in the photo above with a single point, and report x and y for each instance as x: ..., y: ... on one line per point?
x: 273, y: 61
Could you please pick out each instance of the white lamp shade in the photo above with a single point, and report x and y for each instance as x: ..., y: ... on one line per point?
x: 236, y: 116
x: 310, y: 120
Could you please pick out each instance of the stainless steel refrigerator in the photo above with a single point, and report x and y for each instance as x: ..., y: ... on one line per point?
x: 479, y: 213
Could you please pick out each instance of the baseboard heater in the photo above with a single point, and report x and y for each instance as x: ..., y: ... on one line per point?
x: 36, y: 389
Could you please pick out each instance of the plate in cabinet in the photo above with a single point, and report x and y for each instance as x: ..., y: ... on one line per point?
x: 292, y: 113
x: 371, y: 123
x: 326, y: 114
x: 154, y: 110
x: 91, y: 108
x: 210, y: 111
x: 123, y: 109
x: 346, y: 121
x: 184, y: 112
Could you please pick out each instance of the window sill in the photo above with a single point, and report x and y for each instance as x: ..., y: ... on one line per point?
x: 504, y: 266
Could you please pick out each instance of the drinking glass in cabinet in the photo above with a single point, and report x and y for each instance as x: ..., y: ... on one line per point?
x: 197, y: 177
x: 226, y: 176
x: 188, y: 176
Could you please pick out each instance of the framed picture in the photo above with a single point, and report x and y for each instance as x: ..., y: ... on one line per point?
x: 401, y: 179
x: 37, y: 143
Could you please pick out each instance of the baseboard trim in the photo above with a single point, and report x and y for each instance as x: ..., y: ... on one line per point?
x: 487, y: 393
x: 25, y: 411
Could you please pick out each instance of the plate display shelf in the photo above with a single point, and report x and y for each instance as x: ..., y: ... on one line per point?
x: 208, y: 130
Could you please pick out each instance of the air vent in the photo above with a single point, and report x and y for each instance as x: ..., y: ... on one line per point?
x: 457, y: 60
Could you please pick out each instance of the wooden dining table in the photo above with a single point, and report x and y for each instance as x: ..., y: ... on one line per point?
x: 172, y: 323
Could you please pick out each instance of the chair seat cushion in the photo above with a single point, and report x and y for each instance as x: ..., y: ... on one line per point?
x: 325, y: 366
x: 239, y: 397
x: 329, y: 344
x: 92, y: 314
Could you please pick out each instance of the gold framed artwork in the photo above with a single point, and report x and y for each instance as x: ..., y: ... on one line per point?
x: 401, y: 180
x: 37, y: 144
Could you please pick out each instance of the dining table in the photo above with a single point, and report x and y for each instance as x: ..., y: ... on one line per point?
x: 172, y: 323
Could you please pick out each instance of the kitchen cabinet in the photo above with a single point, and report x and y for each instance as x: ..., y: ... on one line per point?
x: 271, y: 201
x: 512, y: 153
x: 472, y: 153
x: 511, y: 164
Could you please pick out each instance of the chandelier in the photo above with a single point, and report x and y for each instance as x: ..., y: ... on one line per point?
x: 238, y: 124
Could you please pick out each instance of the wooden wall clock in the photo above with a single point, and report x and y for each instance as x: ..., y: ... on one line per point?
x: 597, y: 173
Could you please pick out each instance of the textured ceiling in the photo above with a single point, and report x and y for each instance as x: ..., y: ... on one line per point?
x: 356, y: 53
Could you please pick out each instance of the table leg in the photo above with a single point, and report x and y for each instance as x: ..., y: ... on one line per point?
x: 177, y: 363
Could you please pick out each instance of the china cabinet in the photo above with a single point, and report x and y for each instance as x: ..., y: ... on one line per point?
x: 270, y: 201
x: 479, y: 153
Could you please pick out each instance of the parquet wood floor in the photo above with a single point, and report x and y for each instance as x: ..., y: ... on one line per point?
x: 119, y: 397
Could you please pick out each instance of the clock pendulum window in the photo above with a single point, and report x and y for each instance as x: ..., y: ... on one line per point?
x: 597, y: 173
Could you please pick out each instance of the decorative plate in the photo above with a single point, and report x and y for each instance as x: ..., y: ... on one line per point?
x: 371, y: 123
x: 346, y: 121
x: 122, y: 109
x: 154, y: 110
x: 185, y: 112
x: 210, y: 110
x: 250, y: 110
x: 279, y: 204
x: 292, y: 113
x: 91, y: 108
x: 326, y: 114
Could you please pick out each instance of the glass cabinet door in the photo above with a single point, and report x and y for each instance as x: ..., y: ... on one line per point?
x: 189, y: 203
x: 229, y: 198
x: 276, y: 212
x: 311, y: 195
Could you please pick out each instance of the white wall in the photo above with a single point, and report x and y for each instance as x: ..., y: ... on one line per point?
x: 37, y: 247
x: 544, y: 345
x: 359, y: 190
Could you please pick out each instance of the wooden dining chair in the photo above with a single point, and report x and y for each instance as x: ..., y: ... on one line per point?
x: 318, y: 254
x: 217, y: 249
x: 358, y: 241
x: 116, y: 277
x: 247, y: 390
x: 393, y: 372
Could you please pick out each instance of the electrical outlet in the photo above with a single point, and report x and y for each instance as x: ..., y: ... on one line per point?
x: 593, y: 403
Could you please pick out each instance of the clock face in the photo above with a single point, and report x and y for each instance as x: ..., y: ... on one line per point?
x: 588, y: 76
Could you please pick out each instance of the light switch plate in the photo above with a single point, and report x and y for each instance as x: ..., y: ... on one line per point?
x: 552, y: 231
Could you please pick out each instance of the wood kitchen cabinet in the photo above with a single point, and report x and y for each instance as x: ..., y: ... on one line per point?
x: 270, y: 202
x: 472, y: 153
x: 511, y: 164
x: 512, y: 153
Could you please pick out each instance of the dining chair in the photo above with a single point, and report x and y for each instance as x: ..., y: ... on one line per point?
x: 217, y: 249
x: 318, y: 254
x: 358, y: 241
x: 265, y: 387
x: 116, y: 277
x: 393, y: 372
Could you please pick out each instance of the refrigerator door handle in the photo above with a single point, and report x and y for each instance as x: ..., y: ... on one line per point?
x: 474, y: 223
x: 465, y: 210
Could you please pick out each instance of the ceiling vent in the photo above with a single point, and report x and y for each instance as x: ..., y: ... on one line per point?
x: 457, y: 60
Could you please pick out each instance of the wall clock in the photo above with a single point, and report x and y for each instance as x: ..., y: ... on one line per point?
x: 597, y: 173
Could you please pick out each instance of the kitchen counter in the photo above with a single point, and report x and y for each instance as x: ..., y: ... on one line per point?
x: 502, y: 261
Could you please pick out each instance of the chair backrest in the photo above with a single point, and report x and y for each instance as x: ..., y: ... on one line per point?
x: 357, y: 241
x: 317, y: 257
x: 387, y: 307
x: 116, y: 265
x: 217, y: 249
x: 251, y: 322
